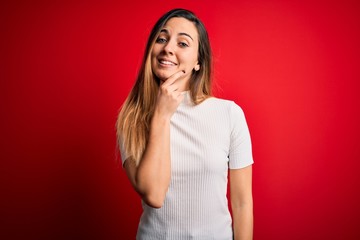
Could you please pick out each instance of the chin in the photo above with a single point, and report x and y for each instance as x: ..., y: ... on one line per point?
x: 163, y: 76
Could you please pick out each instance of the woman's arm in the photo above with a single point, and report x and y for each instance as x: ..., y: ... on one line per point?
x: 151, y: 178
x: 242, y: 202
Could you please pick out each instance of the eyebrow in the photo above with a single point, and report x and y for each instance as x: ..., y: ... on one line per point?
x: 180, y: 34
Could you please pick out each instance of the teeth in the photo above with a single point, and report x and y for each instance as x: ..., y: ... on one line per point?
x: 166, y: 62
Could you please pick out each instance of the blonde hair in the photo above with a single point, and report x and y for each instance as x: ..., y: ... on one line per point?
x: 133, y: 123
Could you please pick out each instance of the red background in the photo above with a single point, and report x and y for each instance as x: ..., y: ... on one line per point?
x: 66, y: 67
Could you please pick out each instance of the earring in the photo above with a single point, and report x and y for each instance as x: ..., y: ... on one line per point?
x: 197, y: 68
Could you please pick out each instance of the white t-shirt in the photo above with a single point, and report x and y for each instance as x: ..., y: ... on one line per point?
x: 206, y: 140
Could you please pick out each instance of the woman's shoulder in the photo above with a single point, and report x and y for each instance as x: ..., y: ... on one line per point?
x: 228, y: 104
x: 221, y: 101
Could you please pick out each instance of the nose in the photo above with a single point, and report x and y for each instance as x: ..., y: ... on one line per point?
x: 169, y: 48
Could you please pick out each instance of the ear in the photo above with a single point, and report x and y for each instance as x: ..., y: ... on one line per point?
x: 197, y: 67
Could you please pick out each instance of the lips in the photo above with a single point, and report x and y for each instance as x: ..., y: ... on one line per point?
x: 166, y: 62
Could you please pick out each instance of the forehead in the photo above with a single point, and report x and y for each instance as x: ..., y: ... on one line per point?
x: 178, y: 25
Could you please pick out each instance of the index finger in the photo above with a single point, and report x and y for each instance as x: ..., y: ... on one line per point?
x: 173, y: 78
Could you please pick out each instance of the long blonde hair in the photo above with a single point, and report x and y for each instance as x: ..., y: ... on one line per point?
x: 133, y: 123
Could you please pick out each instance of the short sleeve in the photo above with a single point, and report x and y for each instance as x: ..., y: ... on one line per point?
x: 240, y: 153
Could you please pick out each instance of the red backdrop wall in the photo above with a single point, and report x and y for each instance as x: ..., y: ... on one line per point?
x: 66, y: 67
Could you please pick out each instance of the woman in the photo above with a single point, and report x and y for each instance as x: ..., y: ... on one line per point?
x: 177, y: 142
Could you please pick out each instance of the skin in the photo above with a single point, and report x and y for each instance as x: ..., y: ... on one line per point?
x: 173, y: 59
x: 176, y: 49
x: 242, y: 202
x: 151, y: 178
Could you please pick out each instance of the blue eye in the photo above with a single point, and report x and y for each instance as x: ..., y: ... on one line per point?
x: 161, y: 40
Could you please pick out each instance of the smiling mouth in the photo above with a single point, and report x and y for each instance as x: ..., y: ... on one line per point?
x: 167, y: 63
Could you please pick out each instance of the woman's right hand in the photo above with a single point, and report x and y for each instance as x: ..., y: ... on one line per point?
x: 151, y: 178
x: 169, y: 96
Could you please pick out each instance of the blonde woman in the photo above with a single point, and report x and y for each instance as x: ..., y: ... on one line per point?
x: 178, y: 142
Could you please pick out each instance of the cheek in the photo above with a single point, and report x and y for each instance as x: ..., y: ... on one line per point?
x: 191, y: 61
x: 154, y: 53
x: 193, y: 58
x: 153, y: 60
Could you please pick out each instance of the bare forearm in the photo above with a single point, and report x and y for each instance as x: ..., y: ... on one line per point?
x: 153, y: 175
x: 243, y: 222
x: 151, y: 178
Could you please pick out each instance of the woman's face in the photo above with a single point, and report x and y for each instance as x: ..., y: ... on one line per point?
x: 175, y: 49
